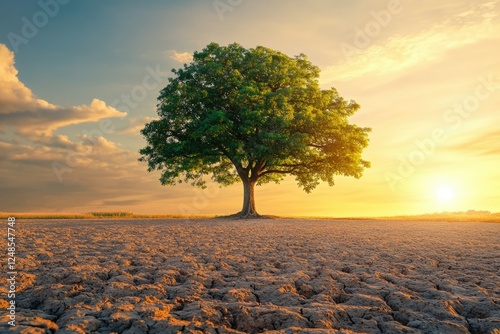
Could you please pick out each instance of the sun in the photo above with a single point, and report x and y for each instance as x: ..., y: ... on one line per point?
x: 444, y: 194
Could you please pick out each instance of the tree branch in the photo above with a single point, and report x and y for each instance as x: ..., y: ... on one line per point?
x: 292, y: 165
x: 316, y: 145
x: 276, y: 171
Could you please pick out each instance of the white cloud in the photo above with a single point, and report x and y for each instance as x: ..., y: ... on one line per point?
x: 401, y: 52
x: 21, y: 109
x: 14, y: 96
x: 29, y: 145
x: 181, y: 57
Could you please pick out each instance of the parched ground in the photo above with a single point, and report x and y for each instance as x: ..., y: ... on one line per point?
x: 280, y: 276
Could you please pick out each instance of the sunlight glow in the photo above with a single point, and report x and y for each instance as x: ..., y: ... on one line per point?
x: 444, y: 194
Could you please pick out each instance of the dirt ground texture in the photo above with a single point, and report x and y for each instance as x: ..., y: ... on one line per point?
x: 250, y: 276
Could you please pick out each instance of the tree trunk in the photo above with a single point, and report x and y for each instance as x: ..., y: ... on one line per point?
x: 248, y: 210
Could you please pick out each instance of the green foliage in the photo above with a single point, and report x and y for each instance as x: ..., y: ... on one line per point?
x: 255, y: 115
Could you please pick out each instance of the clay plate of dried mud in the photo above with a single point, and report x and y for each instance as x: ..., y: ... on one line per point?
x: 251, y: 276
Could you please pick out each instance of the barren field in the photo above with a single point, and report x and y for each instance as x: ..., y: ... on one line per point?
x: 280, y: 276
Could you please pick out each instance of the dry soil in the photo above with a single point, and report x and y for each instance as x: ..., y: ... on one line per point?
x: 278, y: 276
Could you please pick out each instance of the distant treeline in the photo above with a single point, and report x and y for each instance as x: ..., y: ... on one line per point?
x: 94, y: 215
x: 462, y: 216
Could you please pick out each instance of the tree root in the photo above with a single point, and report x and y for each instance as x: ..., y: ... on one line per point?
x: 240, y: 215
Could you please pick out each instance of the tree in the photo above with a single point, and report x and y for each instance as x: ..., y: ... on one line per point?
x: 255, y: 116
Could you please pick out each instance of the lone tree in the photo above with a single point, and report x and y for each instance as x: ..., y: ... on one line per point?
x: 253, y: 115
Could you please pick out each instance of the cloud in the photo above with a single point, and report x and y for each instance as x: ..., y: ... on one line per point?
x: 126, y: 202
x: 21, y: 109
x: 400, y: 52
x: 14, y: 96
x: 135, y: 125
x: 42, y: 120
x: 484, y: 144
x: 184, y: 57
x: 29, y: 146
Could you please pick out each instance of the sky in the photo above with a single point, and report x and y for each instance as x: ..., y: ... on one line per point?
x: 79, y: 79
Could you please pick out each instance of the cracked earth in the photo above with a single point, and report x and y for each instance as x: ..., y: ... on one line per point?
x: 275, y: 276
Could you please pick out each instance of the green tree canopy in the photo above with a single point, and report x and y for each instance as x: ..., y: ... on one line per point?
x: 255, y: 116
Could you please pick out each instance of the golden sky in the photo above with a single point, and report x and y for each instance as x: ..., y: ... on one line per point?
x: 427, y: 77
